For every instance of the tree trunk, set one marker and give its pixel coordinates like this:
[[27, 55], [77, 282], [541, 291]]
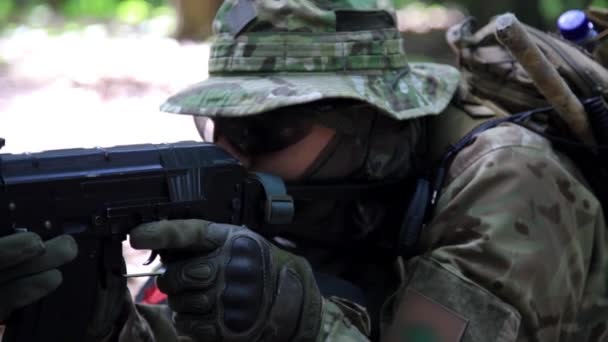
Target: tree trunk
[[195, 18]]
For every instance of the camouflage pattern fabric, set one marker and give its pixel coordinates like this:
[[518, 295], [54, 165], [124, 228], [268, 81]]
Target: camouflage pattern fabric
[[518, 221], [272, 54], [146, 323], [599, 17], [337, 327], [151, 323], [493, 74], [517, 247]]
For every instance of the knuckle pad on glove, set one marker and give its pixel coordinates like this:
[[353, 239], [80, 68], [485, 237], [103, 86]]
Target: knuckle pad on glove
[[196, 274], [244, 275], [192, 302], [195, 327], [17, 248]]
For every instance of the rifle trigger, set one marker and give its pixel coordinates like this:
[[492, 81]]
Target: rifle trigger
[[137, 275], [151, 258]]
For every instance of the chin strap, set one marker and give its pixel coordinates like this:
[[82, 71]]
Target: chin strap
[[279, 208], [280, 199], [347, 191], [278, 205], [426, 192]]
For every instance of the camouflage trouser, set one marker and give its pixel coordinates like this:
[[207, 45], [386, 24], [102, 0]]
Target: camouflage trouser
[[343, 321], [149, 323]]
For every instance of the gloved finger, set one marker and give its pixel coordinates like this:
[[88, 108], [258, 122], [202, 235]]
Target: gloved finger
[[187, 235], [24, 291], [19, 247], [56, 252], [193, 274], [195, 302], [196, 327]]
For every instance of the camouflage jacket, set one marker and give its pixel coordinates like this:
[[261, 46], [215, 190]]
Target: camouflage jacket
[[516, 251]]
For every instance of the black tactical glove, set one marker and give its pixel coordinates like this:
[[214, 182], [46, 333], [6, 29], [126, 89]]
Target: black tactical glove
[[28, 268], [28, 272], [227, 283]]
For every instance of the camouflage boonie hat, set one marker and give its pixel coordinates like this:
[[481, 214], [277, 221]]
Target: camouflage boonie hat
[[275, 53]]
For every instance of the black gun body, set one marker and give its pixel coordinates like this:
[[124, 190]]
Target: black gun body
[[97, 196]]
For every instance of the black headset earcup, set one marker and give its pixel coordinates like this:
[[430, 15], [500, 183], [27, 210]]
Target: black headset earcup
[[414, 218]]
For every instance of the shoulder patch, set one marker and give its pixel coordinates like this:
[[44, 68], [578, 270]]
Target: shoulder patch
[[422, 319]]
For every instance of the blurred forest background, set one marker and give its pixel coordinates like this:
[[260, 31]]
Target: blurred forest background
[[190, 19], [93, 72], [103, 66]]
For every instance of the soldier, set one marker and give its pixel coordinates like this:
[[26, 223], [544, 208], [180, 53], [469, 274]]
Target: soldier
[[321, 93]]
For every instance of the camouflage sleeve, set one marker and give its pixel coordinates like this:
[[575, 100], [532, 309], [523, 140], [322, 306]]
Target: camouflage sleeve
[[515, 252], [148, 323], [342, 321]]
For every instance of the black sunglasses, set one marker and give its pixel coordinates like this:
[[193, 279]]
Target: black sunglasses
[[264, 133], [275, 130]]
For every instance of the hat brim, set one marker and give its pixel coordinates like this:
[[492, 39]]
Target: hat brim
[[423, 89]]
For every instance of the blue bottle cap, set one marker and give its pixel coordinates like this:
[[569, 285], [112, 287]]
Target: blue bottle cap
[[574, 25]]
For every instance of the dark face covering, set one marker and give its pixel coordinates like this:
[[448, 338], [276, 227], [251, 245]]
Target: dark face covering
[[367, 147]]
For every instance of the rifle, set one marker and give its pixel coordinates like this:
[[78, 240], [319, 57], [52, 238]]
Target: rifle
[[98, 195]]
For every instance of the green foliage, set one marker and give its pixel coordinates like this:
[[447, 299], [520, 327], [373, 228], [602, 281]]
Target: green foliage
[[403, 3], [89, 8], [535, 12], [6, 9], [129, 11], [551, 9], [133, 11]]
